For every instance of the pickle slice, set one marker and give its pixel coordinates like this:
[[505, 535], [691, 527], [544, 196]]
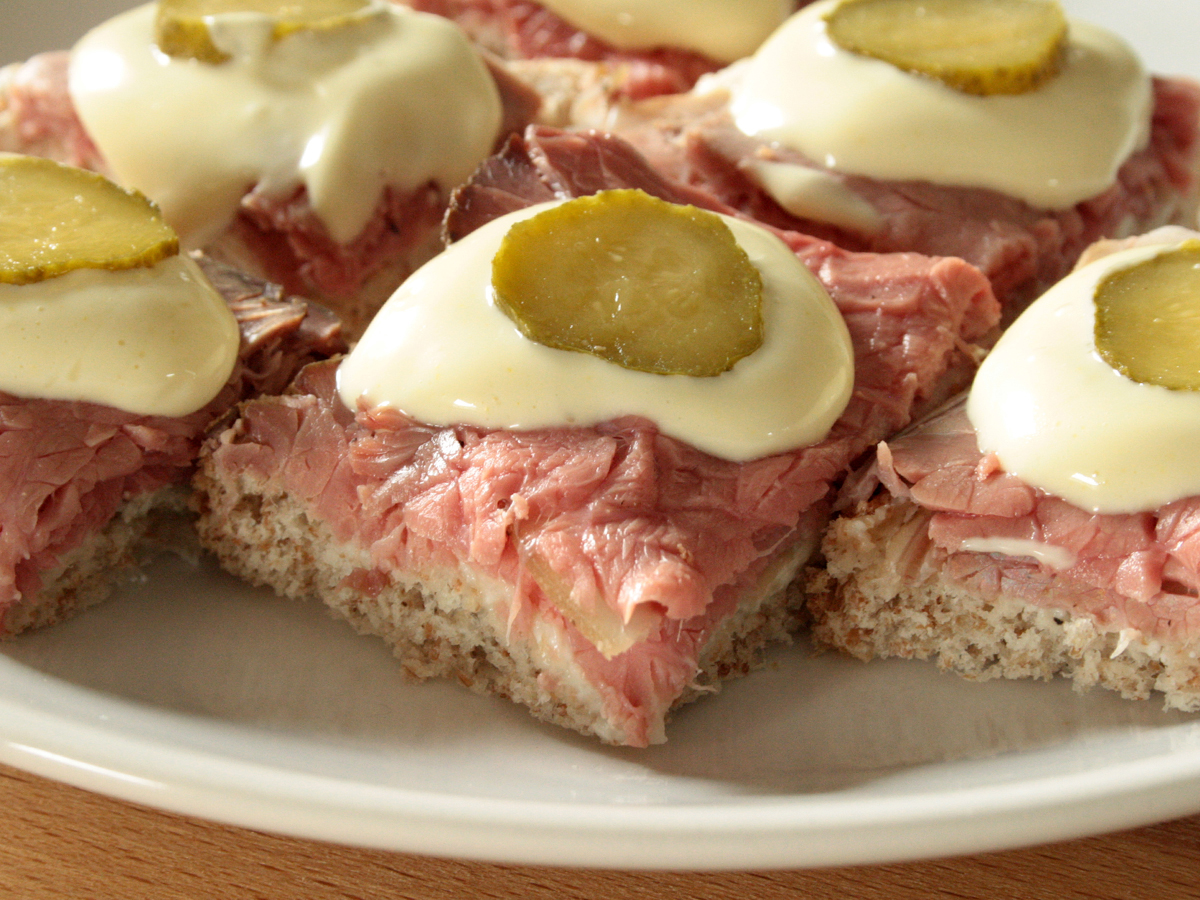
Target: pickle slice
[[182, 30], [975, 46], [648, 285], [57, 218], [1148, 319]]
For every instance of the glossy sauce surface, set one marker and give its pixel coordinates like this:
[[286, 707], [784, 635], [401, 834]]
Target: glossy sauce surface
[[155, 341]]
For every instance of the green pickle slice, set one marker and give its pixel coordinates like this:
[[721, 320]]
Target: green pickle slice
[[1148, 319], [979, 47], [181, 28], [58, 218], [649, 285]]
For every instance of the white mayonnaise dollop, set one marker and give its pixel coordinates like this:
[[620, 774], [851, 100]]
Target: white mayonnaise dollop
[[1052, 147], [395, 97], [722, 30], [153, 340], [1062, 419], [442, 352]]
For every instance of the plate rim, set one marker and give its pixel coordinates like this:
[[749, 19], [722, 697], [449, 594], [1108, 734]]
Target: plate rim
[[744, 833]]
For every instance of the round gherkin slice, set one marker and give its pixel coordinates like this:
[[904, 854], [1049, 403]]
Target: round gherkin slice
[[648, 285], [1148, 319], [57, 218], [976, 46], [182, 30]]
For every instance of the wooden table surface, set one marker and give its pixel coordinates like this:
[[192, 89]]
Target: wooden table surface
[[58, 841]]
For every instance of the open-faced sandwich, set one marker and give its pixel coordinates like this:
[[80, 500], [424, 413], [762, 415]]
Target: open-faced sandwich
[[577, 458], [118, 353], [311, 143], [1047, 521], [998, 131]]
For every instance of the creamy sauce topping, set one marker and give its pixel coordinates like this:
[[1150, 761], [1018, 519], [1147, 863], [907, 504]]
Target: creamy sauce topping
[[394, 98], [1060, 418], [722, 30], [153, 341], [1052, 147], [441, 352]]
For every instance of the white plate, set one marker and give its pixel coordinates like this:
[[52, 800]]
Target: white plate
[[195, 694]]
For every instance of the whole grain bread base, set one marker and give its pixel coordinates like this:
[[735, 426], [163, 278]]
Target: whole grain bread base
[[91, 572], [862, 605], [453, 622]]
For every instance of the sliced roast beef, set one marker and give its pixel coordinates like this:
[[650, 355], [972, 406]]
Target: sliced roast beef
[[37, 116], [547, 163]]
